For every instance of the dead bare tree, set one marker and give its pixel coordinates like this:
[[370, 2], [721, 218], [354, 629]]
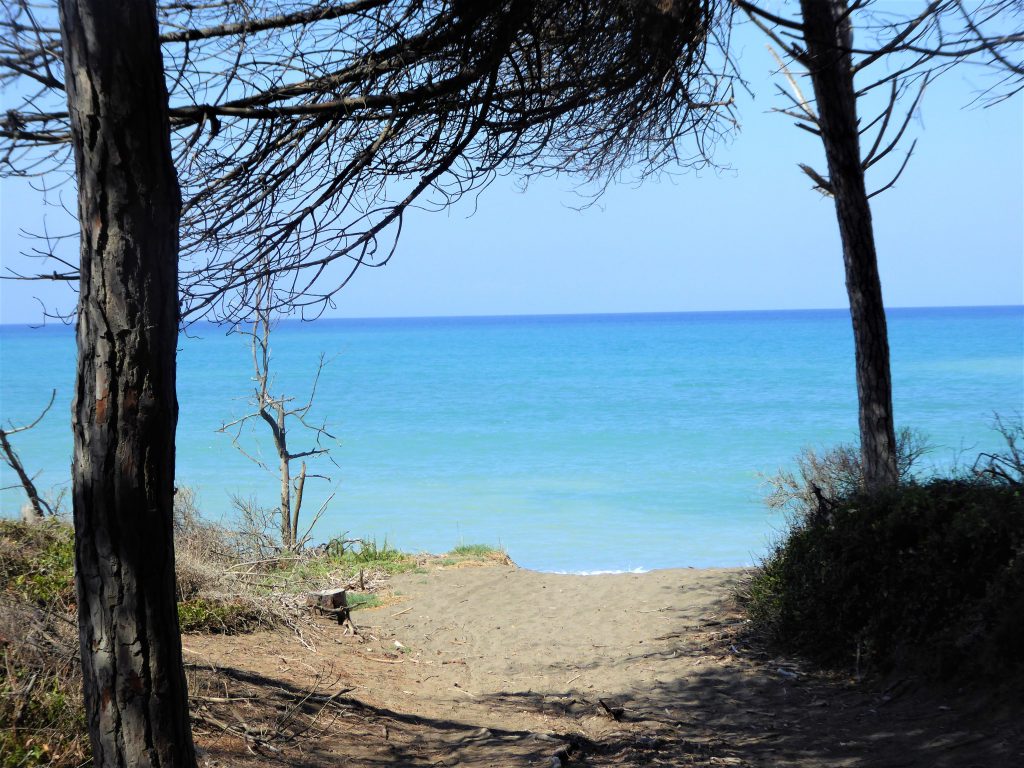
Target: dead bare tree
[[37, 507], [904, 54], [281, 414], [240, 144]]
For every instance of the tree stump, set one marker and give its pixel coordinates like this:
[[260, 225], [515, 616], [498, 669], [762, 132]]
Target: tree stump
[[329, 602]]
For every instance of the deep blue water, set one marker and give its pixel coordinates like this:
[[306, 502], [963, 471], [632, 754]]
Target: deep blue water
[[577, 442]]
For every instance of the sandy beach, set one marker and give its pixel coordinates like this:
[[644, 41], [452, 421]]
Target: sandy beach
[[495, 666]]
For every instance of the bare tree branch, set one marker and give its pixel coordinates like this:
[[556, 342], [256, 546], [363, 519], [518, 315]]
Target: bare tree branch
[[37, 506], [280, 416], [304, 131]]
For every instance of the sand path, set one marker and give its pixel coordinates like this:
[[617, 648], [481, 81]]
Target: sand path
[[501, 666]]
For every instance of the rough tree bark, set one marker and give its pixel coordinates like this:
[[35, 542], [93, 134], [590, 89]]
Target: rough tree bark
[[125, 407], [828, 34]]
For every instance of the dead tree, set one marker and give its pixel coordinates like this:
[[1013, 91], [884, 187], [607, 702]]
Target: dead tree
[[283, 143], [908, 52], [37, 507], [281, 413]]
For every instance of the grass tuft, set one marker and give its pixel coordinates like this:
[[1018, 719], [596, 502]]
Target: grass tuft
[[357, 600], [476, 554], [368, 553], [474, 550]]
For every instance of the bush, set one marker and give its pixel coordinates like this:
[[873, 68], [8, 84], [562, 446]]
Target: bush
[[37, 562], [835, 474], [228, 617], [928, 575]]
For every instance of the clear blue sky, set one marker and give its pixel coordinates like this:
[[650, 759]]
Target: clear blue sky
[[753, 236]]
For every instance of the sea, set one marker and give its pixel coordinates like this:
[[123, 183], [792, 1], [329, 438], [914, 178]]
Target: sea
[[578, 443]]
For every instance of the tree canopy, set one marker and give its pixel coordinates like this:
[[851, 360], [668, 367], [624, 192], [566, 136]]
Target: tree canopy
[[302, 132]]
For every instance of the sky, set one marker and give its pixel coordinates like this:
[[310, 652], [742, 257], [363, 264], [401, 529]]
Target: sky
[[748, 235]]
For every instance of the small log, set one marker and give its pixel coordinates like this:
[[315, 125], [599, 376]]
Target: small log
[[615, 713], [329, 602]]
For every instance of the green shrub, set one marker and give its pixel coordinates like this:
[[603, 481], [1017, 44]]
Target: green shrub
[[37, 562], [229, 617], [928, 575]]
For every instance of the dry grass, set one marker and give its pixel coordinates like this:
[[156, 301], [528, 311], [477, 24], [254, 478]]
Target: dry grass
[[40, 687], [40, 679], [227, 581]]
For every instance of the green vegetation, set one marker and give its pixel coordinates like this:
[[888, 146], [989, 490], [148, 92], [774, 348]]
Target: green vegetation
[[357, 600], [341, 561], [41, 727], [40, 693], [476, 550], [37, 562], [474, 554], [927, 577], [369, 554], [222, 589], [227, 617]]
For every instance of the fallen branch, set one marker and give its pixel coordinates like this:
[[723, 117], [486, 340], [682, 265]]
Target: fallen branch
[[615, 713]]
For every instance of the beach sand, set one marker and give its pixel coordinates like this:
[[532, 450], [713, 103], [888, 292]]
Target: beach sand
[[497, 666]]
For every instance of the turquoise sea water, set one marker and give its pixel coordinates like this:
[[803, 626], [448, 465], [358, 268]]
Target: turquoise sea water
[[579, 443]]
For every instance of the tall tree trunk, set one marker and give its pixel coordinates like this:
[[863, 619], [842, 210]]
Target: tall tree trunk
[[829, 38], [125, 407]]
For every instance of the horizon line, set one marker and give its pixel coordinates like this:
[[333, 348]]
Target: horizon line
[[623, 313]]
